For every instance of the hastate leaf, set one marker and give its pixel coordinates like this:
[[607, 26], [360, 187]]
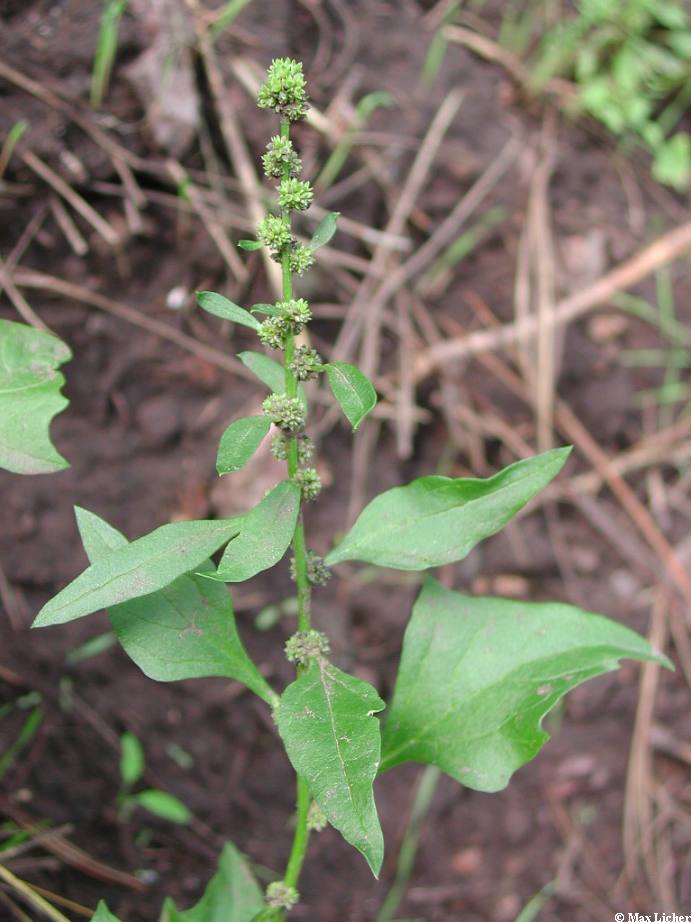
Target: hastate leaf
[[216, 304], [144, 566], [240, 441], [232, 894], [326, 721], [29, 398], [437, 520], [352, 389], [266, 533], [269, 373], [184, 631], [478, 675], [325, 230]]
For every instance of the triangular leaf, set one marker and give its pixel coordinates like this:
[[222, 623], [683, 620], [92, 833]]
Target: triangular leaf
[[240, 441], [29, 398], [326, 721], [353, 390], [137, 569], [232, 894], [269, 373], [437, 520], [325, 230], [184, 631], [219, 306], [478, 675], [103, 914], [267, 531]]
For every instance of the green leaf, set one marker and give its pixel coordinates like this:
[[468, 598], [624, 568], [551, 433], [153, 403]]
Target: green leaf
[[103, 914], [232, 894], [240, 441], [352, 389], [184, 631], [134, 570], [270, 310], [325, 230], [29, 398], [131, 759], [163, 805], [269, 373], [267, 531], [326, 721], [437, 520], [250, 245], [478, 675], [216, 304]]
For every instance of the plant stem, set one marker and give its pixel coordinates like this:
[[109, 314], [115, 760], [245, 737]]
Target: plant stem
[[427, 785], [303, 587]]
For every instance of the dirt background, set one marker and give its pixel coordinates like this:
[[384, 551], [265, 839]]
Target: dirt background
[[145, 415]]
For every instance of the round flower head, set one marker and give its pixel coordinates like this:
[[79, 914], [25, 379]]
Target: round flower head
[[272, 332], [295, 313], [306, 364], [285, 412], [284, 90], [301, 259], [309, 482], [280, 895], [279, 448], [280, 153], [274, 233], [295, 194], [306, 645], [317, 572]]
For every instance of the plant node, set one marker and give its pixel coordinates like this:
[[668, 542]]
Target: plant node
[[309, 482], [305, 646], [317, 572], [306, 364], [275, 234], [272, 332], [279, 448], [280, 154], [280, 895], [316, 818], [285, 412], [301, 258]]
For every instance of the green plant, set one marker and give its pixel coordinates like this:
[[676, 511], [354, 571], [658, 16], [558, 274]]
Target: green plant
[[477, 675], [630, 60], [159, 803], [106, 49]]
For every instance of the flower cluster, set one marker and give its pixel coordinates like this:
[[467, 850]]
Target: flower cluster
[[284, 90], [309, 482], [279, 448], [305, 646], [280, 154], [275, 234], [295, 194], [306, 363], [285, 412], [317, 572], [280, 895], [316, 818], [301, 258]]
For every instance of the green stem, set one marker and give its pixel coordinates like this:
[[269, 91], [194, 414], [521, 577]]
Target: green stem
[[408, 850], [303, 587]]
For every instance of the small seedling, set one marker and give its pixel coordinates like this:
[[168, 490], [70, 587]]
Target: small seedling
[[158, 803], [477, 675], [106, 49]]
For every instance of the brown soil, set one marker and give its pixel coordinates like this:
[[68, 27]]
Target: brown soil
[[141, 432]]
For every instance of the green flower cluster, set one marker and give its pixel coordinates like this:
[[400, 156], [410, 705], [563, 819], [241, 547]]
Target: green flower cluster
[[280, 895], [306, 363], [280, 154], [295, 194], [301, 258], [285, 412], [309, 482], [317, 572], [279, 448], [275, 234], [305, 646], [284, 90], [291, 317]]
